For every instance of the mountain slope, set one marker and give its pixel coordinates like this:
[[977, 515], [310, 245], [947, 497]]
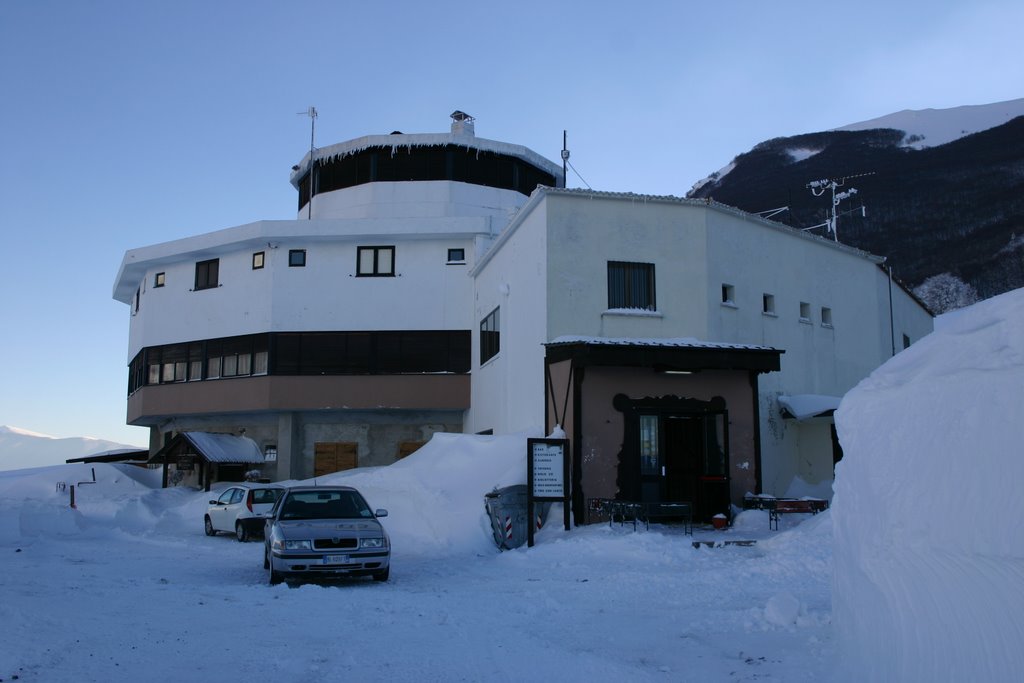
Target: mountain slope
[[956, 207], [20, 448]]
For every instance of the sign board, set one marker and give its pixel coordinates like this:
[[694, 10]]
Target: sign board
[[547, 476], [548, 469]]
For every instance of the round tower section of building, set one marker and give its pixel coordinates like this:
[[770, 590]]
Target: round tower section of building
[[401, 175]]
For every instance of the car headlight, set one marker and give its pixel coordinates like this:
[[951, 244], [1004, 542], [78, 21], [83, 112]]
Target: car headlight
[[372, 543], [297, 545]]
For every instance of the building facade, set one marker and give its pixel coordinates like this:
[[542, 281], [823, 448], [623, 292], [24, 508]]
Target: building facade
[[446, 283], [343, 337], [577, 265]]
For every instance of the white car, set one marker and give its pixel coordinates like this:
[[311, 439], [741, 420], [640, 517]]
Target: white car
[[240, 510]]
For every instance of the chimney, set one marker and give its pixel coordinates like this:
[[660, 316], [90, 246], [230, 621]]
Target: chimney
[[462, 124]]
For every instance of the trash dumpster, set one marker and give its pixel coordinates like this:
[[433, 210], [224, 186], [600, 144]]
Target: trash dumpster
[[507, 510]]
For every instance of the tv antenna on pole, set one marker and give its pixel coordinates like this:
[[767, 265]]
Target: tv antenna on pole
[[311, 113], [565, 159], [820, 187]]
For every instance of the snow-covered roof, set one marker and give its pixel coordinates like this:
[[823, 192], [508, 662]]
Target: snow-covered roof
[[398, 142], [652, 342], [805, 406], [225, 447]]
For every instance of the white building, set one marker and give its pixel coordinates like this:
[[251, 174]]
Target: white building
[[582, 266], [351, 334]]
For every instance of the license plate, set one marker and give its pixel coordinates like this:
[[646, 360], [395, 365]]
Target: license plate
[[335, 559]]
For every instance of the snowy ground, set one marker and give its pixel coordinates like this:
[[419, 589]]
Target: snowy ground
[[128, 588]]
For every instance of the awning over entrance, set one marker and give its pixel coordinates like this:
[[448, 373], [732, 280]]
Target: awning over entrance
[[658, 421], [683, 354], [805, 406], [213, 453]]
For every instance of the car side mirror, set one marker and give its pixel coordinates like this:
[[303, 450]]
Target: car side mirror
[[213, 502], [381, 513]]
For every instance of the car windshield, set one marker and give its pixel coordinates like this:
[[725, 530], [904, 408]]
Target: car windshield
[[325, 505]]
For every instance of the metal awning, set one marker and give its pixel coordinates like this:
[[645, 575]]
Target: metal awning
[[805, 406], [212, 447]]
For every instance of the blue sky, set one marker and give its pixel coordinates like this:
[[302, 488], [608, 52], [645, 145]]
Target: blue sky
[[125, 124]]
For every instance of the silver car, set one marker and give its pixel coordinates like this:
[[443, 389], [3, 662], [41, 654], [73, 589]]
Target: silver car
[[318, 532]]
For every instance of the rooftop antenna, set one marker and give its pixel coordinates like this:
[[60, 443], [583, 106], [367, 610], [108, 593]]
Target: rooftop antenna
[[566, 164], [771, 213], [311, 113], [565, 160], [819, 187]]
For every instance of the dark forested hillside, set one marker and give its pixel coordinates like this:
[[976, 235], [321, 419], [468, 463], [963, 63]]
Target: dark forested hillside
[[956, 208]]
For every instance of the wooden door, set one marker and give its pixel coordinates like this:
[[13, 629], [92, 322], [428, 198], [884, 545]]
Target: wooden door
[[334, 456]]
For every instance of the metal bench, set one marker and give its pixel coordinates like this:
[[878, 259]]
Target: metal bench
[[629, 511], [783, 506]]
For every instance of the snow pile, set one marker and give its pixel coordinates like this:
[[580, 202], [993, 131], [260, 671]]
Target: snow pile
[[601, 602], [929, 549], [435, 497]]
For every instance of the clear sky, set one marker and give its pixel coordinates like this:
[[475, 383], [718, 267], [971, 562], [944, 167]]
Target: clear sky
[[125, 124]]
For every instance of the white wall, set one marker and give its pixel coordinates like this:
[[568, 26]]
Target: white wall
[[695, 249], [588, 232], [425, 293], [508, 390], [420, 199]]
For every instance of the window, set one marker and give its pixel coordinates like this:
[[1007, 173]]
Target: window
[[489, 336], [805, 312], [456, 256], [296, 258], [159, 279], [206, 274], [826, 316], [728, 295], [631, 285], [270, 453], [135, 305], [258, 260], [375, 262], [768, 304]]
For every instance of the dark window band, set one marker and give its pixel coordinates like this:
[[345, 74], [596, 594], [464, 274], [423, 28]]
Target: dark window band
[[303, 353]]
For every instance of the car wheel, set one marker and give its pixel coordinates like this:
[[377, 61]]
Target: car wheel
[[275, 576], [210, 531], [266, 558], [383, 575], [240, 532]]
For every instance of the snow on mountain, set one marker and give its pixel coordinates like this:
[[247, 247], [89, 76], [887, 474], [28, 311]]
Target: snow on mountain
[[934, 127], [922, 127], [21, 448]]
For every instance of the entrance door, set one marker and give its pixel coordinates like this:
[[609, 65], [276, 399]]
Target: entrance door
[[684, 458]]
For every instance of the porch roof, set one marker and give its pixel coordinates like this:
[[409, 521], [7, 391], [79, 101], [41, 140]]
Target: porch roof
[[218, 448], [680, 354]]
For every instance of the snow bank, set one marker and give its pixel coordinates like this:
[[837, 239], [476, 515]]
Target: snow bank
[[435, 497], [929, 548]]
